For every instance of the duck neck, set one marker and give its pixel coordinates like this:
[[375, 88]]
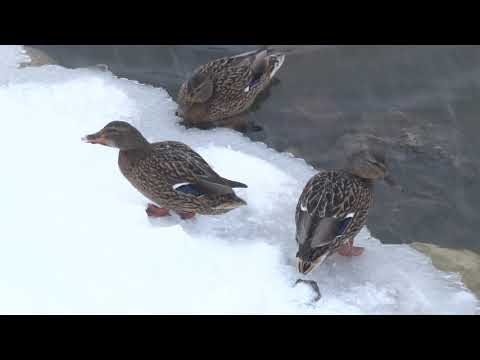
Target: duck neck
[[368, 182], [136, 153], [365, 181]]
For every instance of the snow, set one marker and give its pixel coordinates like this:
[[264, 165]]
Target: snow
[[75, 239]]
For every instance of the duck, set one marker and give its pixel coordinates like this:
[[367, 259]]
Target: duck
[[226, 87], [334, 206], [170, 174]]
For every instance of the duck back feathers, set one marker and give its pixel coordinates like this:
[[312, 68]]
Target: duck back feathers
[[335, 195], [227, 86]]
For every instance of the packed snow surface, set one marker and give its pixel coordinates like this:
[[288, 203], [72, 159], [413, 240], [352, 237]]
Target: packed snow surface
[[74, 236]]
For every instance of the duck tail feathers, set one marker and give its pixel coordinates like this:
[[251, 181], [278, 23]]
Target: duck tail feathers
[[234, 184]]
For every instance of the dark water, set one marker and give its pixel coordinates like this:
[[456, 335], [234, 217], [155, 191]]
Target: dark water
[[421, 102]]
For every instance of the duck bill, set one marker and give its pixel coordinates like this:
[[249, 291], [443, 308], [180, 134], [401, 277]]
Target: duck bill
[[97, 138], [306, 267]]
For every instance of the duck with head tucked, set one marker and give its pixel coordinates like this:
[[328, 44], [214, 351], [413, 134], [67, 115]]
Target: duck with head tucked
[[226, 87], [333, 208], [170, 174]]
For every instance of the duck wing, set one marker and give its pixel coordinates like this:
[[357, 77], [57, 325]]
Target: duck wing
[[327, 208], [186, 171], [244, 71]]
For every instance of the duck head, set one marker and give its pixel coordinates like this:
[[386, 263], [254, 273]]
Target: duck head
[[314, 247], [309, 258], [367, 164], [371, 165], [118, 134]]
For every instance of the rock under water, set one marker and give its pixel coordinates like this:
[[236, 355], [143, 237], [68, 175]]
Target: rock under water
[[464, 262]]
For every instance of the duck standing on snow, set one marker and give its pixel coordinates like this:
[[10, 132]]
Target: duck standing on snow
[[168, 173], [226, 87], [333, 208]]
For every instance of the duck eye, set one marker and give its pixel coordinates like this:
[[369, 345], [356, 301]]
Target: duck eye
[[111, 131]]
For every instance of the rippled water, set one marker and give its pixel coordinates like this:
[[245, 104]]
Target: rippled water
[[421, 102]]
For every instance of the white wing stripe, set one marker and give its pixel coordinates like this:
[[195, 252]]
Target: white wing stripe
[[176, 186]]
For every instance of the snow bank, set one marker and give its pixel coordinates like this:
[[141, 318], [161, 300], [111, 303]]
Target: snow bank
[[74, 237]]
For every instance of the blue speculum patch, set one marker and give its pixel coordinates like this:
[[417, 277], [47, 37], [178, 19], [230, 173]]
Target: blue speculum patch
[[189, 189], [343, 225]]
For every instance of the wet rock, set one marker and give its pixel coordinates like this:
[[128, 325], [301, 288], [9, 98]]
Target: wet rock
[[37, 57], [464, 262]]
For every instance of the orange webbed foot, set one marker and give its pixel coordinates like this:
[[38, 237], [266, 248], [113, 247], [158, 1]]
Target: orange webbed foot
[[350, 250], [156, 212]]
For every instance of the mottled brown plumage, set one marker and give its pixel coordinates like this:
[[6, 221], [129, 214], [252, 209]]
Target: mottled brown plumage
[[226, 87], [333, 208], [169, 173]]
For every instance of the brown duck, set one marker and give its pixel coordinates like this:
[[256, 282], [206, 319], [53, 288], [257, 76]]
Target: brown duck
[[333, 208], [225, 87], [169, 173]]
